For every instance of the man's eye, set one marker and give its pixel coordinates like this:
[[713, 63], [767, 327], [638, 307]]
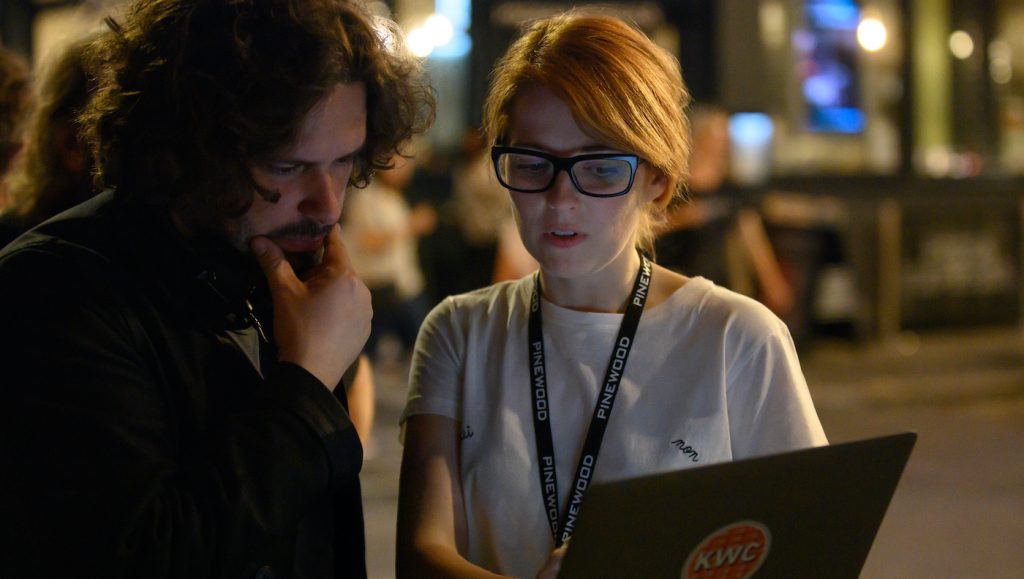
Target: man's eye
[[284, 168]]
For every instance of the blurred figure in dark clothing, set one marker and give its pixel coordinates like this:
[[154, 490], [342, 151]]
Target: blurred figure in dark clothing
[[430, 190], [715, 235], [54, 173], [15, 102]]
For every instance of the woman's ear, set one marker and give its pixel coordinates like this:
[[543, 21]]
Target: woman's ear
[[657, 187]]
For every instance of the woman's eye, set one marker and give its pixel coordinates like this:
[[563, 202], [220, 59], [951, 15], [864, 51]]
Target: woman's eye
[[604, 170], [538, 167], [608, 170]]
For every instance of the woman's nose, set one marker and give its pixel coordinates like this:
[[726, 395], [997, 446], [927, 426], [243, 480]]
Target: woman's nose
[[562, 192]]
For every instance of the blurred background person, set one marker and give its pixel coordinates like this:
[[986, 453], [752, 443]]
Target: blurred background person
[[54, 173], [484, 217], [381, 232], [361, 393], [429, 191], [712, 233], [15, 102], [481, 208], [475, 242], [481, 194]]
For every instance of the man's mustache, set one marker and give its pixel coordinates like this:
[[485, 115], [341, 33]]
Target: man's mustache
[[304, 228]]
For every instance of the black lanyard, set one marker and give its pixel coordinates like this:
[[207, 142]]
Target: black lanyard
[[602, 409]]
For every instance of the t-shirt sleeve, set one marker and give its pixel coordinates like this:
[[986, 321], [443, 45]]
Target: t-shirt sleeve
[[770, 407], [437, 364]]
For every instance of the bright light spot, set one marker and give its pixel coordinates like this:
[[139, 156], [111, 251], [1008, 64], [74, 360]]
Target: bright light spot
[[772, 18], [439, 28], [459, 12], [1000, 62], [750, 129], [458, 47], [872, 35], [420, 42], [436, 32], [999, 50], [961, 45]]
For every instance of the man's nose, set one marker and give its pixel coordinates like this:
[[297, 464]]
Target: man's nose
[[324, 194]]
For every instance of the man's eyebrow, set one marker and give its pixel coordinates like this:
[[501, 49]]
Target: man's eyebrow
[[285, 157], [355, 152]]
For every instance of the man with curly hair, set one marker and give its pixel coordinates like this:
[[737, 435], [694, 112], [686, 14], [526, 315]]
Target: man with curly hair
[[172, 348]]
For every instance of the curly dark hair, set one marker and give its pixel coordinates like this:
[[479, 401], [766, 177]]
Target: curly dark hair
[[190, 91]]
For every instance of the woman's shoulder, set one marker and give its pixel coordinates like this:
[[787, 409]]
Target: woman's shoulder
[[710, 307], [743, 317], [497, 299]]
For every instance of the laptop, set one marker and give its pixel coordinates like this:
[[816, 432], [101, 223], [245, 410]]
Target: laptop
[[810, 513]]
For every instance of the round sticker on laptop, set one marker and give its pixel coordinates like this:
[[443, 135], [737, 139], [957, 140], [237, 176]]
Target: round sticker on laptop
[[735, 551]]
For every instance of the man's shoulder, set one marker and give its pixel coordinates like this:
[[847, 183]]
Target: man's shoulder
[[51, 278], [66, 239], [68, 254], [11, 226]]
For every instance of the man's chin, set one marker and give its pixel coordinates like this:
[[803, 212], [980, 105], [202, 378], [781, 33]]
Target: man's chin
[[302, 262]]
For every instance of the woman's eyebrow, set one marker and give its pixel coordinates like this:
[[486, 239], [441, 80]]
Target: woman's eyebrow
[[594, 148]]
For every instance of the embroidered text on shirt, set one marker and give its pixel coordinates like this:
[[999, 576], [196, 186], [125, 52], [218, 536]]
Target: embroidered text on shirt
[[686, 449]]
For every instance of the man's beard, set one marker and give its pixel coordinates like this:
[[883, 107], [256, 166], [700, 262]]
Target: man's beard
[[303, 262], [241, 232]]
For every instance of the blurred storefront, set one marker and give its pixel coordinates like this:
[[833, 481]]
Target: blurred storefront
[[896, 143]]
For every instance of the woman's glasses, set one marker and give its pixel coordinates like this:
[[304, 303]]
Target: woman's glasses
[[596, 174]]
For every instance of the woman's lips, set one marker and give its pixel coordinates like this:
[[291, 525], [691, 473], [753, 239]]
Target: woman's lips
[[563, 238]]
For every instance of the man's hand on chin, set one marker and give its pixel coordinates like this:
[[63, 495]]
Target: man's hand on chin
[[321, 319]]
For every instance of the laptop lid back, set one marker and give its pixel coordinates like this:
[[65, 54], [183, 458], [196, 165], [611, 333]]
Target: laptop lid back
[[808, 513]]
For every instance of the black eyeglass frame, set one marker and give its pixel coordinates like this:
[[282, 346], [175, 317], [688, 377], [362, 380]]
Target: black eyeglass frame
[[565, 164]]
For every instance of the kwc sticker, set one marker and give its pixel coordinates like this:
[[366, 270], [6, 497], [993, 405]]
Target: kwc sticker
[[735, 551]]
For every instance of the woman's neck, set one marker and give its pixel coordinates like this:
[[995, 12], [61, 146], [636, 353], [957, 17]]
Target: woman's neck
[[605, 291]]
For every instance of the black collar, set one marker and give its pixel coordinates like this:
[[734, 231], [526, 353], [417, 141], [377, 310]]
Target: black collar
[[202, 276]]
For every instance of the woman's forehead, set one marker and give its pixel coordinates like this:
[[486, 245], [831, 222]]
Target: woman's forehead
[[541, 119]]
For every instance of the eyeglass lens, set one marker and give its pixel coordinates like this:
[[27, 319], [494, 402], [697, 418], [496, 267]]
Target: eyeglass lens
[[593, 176]]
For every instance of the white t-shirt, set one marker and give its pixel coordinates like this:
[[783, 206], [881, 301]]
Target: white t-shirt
[[712, 376]]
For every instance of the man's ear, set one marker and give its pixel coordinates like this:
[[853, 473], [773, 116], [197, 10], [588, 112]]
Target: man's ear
[[72, 152]]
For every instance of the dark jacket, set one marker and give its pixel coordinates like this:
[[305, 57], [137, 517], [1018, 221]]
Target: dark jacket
[[11, 226], [138, 437]]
